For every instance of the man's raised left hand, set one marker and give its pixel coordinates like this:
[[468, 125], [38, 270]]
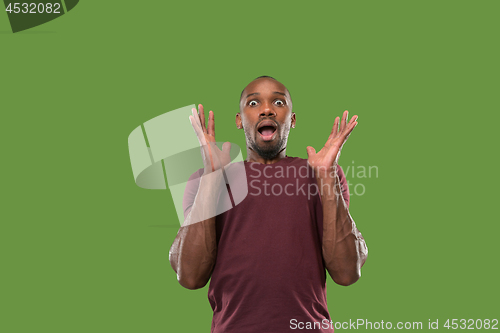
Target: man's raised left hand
[[324, 162]]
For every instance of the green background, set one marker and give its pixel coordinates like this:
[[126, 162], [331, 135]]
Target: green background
[[85, 250]]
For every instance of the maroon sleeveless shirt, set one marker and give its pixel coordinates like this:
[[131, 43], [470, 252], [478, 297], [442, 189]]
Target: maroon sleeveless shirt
[[269, 273]]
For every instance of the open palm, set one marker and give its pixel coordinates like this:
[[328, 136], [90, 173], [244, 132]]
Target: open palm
[[213, 157], [324, 162]]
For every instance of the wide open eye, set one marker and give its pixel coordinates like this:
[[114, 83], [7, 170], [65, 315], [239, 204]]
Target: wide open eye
[[253, 103], [279, 102]]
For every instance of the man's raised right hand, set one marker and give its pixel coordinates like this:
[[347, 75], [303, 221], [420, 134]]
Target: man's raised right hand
[[213, 157]]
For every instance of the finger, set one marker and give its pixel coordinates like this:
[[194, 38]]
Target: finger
[[348, 134], [344, 120], [196, 117], [226, 153], [349, 129], [341, 139], [192, 120], [226, 147], [202, 118], [197, 130], [353, 119], [335, 128], [310, 151], [211, 124]]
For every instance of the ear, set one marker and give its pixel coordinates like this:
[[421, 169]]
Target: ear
[[238, 122], [293, 120]]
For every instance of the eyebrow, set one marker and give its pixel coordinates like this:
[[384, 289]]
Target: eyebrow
[[276, 92], [252, 94]]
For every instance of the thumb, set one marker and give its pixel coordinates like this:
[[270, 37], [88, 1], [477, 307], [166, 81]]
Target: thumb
[[310, 151], [226, 147]]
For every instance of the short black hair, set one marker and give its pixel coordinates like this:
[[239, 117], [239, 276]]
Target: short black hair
[[268, 77], [260, 77]]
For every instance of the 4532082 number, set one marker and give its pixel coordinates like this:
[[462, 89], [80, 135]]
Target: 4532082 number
[[34, 8]]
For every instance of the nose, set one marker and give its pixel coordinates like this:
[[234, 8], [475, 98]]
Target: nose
[[267, 110]]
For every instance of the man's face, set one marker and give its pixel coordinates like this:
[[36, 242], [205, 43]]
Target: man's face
[[266, 116]]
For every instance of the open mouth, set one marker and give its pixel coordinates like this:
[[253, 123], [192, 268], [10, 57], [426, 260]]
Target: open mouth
[[267, 130]]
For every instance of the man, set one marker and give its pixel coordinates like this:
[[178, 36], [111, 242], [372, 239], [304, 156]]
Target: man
[[267, 256]]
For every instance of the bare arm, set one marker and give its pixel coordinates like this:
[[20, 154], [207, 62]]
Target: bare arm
[[194, 250], [344, 249]]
